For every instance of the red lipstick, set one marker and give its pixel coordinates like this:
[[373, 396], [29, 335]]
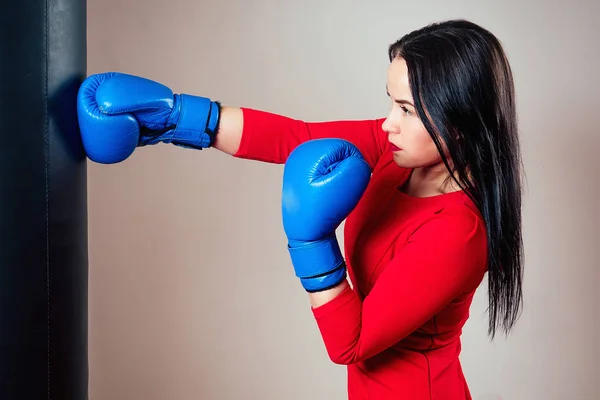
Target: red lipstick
[[393, 147]]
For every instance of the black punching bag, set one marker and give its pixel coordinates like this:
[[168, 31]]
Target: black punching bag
[[43, 202]]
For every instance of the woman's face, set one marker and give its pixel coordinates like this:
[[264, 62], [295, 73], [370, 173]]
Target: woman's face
[[410, 142]]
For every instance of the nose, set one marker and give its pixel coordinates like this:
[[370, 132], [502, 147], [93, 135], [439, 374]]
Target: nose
[[386, 125], [389, 127]]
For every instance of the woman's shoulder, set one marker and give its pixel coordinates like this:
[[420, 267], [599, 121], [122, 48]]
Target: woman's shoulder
[[455, 230], [454, 217]]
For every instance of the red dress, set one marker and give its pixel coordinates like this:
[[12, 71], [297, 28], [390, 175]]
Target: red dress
[[414, 265]]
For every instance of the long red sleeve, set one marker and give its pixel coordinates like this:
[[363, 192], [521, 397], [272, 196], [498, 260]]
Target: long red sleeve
[[442, 260], [271, 137]]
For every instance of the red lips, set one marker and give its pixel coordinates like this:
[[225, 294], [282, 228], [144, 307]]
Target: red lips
[[393, 147]]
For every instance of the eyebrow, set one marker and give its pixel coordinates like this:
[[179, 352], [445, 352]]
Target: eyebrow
[[399, 101]]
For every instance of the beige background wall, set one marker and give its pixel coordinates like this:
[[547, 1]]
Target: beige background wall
[[192, 295]]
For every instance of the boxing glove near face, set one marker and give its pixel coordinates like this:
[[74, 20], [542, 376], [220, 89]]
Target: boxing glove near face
[[323, 181], [119, 112]]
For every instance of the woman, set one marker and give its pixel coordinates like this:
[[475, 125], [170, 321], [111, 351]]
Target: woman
[[442, 209]]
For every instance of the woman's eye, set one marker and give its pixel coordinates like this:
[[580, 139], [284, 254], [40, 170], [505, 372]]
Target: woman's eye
[[405, 110]]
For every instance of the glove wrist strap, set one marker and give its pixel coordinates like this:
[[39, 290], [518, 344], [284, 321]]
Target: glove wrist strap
[[198, 121], [319, 264]]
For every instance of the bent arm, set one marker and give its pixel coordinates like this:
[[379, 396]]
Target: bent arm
[[443, 260], [264, 136]]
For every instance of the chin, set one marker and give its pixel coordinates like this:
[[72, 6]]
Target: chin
[[402, 161], [403, 164]]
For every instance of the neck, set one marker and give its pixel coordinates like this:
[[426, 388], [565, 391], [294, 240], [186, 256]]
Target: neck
[[430, 181]]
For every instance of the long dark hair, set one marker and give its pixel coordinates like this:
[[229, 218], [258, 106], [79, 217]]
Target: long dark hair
[[463, 91]]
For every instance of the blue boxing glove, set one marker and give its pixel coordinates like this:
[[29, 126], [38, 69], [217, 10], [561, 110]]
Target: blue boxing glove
[[323, 181], [119, 112]]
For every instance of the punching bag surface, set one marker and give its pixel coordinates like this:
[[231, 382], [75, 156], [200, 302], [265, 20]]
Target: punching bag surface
[[43, 203]]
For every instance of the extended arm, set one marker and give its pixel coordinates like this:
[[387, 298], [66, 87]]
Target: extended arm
[[119, 112], [229, 131]]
